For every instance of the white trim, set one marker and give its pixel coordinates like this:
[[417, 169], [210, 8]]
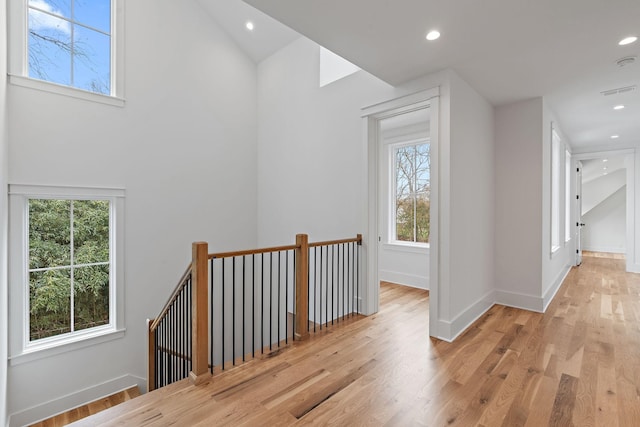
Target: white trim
[[519, 300], [450, 330], [45, 86], [410, 248], [400, 278], [21, 350], [371, 116], [552, 290], [73, 400], [607, 249]]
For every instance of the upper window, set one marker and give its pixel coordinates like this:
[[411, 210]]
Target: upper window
[[66, 275], [69, 43], [567, 196], [556, 168], [70, 47], [411, 192]]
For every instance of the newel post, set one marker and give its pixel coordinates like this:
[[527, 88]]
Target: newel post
[[151, 364], [200, 289], [302, 287]]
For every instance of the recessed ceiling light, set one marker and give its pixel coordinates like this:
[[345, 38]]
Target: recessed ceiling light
[[604, 168], [433, 35], [605, 160], [615, 136], [249, 25], [627, 40], [605, 173], [619, 107]]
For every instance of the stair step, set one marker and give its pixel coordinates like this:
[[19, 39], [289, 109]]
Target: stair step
[[90, 408]]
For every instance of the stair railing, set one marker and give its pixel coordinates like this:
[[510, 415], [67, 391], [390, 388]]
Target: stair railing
[[229, 307]]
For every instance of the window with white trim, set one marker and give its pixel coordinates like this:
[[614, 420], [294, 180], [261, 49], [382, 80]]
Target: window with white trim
[[72, 47], [410, 192], [556, 164], [65, 284], [567, 196]]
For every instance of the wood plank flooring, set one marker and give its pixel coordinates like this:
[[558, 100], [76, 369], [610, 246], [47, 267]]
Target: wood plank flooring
[[89, 409], [576, 365]]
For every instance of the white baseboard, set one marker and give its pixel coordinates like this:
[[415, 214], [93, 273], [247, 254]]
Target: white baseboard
[[555, 286], [405, 279], [518, 300], [82, 397], [449, 331], [607, 249]]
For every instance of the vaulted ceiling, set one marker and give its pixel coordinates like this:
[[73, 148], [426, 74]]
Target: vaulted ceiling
[[508, 50]]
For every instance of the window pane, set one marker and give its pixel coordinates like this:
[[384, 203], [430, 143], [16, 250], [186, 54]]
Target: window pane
[[49, 48], [90, 231], [49, 233], [413, 190], [56, 7], [423, 219], [93, 13], [404, 219], [49, 303], [91, 296], [91, 60]]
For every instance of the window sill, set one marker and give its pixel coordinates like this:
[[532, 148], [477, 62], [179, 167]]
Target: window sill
[[555, 250], [407, 247], [45, 86], [41, 351]]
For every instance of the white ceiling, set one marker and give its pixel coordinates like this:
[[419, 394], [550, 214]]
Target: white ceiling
[[508, 50], [596, 168]]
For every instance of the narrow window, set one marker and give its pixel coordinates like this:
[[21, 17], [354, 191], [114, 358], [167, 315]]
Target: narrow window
[[69, 42], [567, 196], [555, 190], [412, 191], [69, 266]]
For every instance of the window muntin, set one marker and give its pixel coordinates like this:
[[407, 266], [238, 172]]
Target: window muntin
[[69, 266], [411, 192], [69, 43]]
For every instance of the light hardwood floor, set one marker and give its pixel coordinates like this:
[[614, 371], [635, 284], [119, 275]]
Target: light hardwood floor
[[578, 364]]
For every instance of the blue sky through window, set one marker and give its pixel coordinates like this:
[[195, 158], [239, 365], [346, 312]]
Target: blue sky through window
[[69, 43]]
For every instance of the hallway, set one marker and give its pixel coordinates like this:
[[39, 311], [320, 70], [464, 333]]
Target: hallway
[[578, 364]]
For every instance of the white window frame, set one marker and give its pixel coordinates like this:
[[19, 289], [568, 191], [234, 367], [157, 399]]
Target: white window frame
[[392, 147], [567, 195], [555, 193], [21, 349], [18, 57]]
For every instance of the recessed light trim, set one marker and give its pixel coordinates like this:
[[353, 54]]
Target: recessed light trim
[[627, 40], [615, 136], [249, 25], [619, 107], [605, 160], [433, 35]]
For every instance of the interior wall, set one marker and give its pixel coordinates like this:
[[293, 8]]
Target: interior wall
[[183, 147], [310, 147], [554, 266], [4, 177], [606, 224], [472, 199], [518, 219]]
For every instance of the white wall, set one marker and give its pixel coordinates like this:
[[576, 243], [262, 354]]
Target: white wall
[[404, 265], [310, 147], [4, 176], [597, 190], [518, 220], [606, 224], [472, 199], [183, 147]]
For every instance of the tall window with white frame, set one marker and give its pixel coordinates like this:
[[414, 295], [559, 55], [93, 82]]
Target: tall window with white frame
[[69, 266], [556, 164], [567, 196], [69, 42], [411, 192]]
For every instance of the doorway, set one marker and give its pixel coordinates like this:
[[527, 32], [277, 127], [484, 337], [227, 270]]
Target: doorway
[[604, 202]]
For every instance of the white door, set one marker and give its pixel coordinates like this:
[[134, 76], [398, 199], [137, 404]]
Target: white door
[[579, 223]]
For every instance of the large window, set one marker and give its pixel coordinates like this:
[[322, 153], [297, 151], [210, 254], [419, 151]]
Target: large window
[[69, 43], [66, 273], [69, 266], [70, 47], [411, 192]]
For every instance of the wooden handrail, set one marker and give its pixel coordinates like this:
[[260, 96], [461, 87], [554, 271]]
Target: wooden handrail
[[181, 284], [337, 242], [253, 251]]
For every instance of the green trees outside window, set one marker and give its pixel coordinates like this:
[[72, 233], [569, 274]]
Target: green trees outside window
[[412, 193], [69, 261]]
